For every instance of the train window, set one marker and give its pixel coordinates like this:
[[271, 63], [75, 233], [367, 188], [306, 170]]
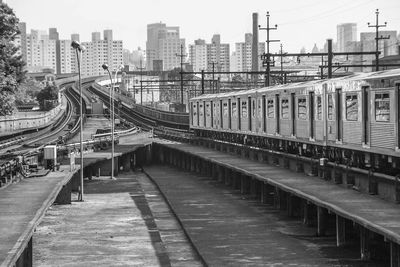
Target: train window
[[319, 108], [285, 109], [351, 107], [234, 110], [302, 108], [244, 109], [259, 108], [270, 108], [253, 107], [382, 107], [330, 107], [225, 109]]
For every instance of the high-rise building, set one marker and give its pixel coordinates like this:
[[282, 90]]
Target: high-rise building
[[346, 32], [96, 36], [41, 52], [163, 43], [198, 55], [244, 54], [66, 56], [101, 52], [218, 54], [53, 35], [108, 35]]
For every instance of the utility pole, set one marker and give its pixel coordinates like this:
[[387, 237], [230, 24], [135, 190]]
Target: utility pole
[[181, 55], [141, 82], [283, 76], [377, 38], [267, 57], [213, 78]]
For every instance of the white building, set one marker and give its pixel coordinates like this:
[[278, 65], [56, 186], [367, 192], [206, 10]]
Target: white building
[[40, 52], [243, 54], [163, 44], [346, 33], [198, 55], [66, 56], [98, 53], [219, 54]]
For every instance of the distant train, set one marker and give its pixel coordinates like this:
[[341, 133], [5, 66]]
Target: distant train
[[352, 120]]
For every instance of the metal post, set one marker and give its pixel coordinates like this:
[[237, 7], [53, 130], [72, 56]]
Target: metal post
[[79, 57], [112, 122], [330, 57], [202, 82]]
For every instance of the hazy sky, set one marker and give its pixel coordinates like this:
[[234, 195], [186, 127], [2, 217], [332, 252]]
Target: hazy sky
[[300, 23]]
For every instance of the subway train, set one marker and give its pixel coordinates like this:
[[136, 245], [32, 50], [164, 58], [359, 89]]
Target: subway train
[[352, 120]]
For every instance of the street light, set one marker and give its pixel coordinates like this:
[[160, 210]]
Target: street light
[[105, 67], [79, 49]]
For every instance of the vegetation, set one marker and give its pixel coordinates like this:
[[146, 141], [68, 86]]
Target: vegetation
[[48, 97], [11, 64]]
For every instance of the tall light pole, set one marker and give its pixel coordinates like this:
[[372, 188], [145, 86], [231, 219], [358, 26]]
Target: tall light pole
[[79, 49], [105, 67]]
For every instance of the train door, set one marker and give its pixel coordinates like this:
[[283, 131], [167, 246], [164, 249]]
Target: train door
[[221, 115], [198, 115], [398, 114], [365, 114], [204, 114], [264, 113], [191, 112], [249, 112], [212, 107], [239, 114], [339, 119], [229, 115], [277, 112], [293, 110], [312, 114]]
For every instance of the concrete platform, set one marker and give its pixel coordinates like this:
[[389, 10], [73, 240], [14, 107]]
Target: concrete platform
[[229, 230], [22, 205], [123, 222], [369, 211]]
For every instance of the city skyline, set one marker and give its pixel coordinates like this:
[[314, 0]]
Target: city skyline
[[298, 25]]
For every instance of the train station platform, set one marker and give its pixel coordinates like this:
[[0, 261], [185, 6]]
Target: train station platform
[[373, 214], [22, 205]]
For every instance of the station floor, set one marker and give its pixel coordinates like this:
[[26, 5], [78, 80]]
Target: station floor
[[122, 222]]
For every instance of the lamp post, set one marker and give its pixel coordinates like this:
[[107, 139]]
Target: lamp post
[[105, 67], [79, 49]]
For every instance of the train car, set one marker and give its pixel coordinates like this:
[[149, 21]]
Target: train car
[[355, 117]]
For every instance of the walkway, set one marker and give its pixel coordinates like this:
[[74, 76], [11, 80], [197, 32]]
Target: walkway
[[123, 222]]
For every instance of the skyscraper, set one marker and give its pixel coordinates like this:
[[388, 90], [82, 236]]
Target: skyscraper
[[244, 54], [346, 32], [53, 35], [198, 55], [22, 39], [163, 43], [219, 54]]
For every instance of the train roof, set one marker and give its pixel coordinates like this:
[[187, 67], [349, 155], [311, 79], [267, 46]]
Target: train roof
[[354, 77]]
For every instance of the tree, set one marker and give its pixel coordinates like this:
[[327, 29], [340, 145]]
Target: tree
[[47, 97], [11, 64]]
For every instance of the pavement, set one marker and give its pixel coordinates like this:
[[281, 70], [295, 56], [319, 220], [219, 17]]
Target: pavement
[[22, 205], [122, 222], [229, 230]]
